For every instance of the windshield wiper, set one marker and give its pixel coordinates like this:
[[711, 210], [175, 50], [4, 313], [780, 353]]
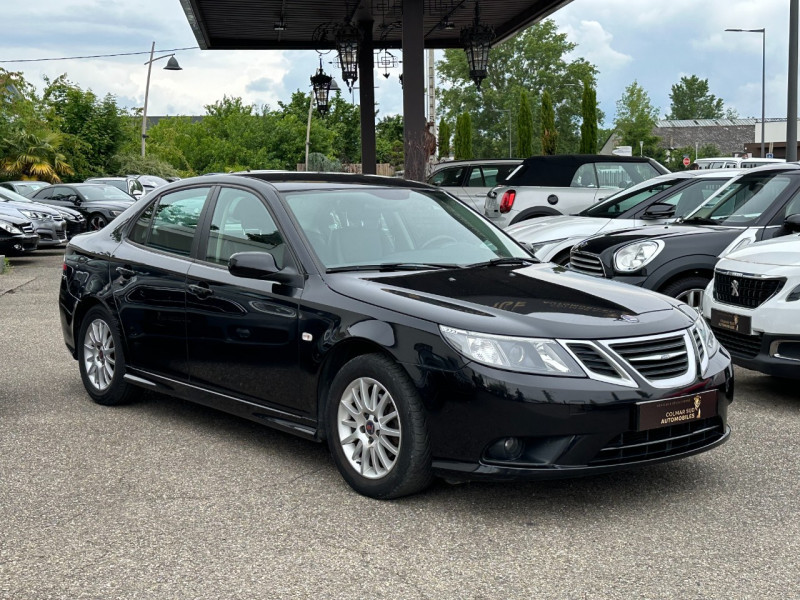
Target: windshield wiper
[[386, 267], [505, 260]]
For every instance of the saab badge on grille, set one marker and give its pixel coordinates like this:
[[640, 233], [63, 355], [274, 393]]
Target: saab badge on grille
[[735, 288]]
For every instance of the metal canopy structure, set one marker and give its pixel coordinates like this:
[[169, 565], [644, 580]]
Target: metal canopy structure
[[412, 25]]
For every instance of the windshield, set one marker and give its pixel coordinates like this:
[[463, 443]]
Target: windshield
[[9, 196], [614, 205], [385, 226], [743, 201], [104, 192]]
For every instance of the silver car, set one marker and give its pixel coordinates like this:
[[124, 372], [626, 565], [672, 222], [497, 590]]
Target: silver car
[[48, 222], [471, 180]]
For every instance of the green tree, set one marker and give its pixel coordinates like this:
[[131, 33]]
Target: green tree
[[444, 139], [538, 58], [636, 117], [549, 131], [690, 99], [525, 126], [389, 141], [92, 130], [589, 123], [28, 156], [462, 143], [20, 107]]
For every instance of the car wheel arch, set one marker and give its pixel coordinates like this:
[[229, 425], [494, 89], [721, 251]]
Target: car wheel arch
[[335, 359], [83, 307], [675, 277], [532, 213]]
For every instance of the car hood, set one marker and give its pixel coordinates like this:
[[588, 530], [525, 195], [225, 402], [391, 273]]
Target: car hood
[[782, 251], [545, 229], [109, 204], [537, 300], [37, 206], [7, 210], [666, 233]]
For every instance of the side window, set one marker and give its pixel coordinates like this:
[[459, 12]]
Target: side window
[[141, 228], [475, 178], [174, 221], [447, 177], [584, 177], [241, 223], [793, 206], [55, 192]]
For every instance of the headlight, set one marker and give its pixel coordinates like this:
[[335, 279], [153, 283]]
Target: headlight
[[525, 355], [635, 256], [115, 213], [9, 228], [32, 214], [707, 336]]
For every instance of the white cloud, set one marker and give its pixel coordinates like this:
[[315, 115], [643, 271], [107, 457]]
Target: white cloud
[[594, 44]]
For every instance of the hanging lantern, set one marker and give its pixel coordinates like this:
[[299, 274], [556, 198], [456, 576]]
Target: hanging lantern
[[477, 40], [347, 46], [321, 83]]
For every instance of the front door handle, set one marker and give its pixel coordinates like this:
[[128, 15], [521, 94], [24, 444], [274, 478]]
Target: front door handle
[[201, 291]]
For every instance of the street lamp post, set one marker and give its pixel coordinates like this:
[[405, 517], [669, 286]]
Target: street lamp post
[[172, 65], [763, 33]]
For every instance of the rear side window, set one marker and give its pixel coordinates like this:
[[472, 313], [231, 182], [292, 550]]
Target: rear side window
[[585, 177], [447, 177], [172, 222]]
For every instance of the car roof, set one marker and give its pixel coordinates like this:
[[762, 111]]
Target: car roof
[[334, 179], [580, 159]]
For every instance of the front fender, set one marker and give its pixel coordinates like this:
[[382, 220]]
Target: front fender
[[683, 265]]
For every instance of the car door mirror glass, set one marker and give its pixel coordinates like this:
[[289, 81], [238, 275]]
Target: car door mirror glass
[[792, 222], [260, 265], [659, 210]]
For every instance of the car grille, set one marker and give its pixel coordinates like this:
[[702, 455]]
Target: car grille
[[738, 344], [663, 358], [633, 446], [701, 351], [587, 264], [27, 228], [593, 360], [749, 292]]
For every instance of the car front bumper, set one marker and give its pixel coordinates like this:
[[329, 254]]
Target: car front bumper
[[566, 427]]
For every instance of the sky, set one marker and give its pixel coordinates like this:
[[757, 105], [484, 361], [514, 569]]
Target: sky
[[653, 42]]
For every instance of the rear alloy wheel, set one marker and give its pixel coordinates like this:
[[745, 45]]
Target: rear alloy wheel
[[97, 221], [376, 429], [101, 359], [689, 290]]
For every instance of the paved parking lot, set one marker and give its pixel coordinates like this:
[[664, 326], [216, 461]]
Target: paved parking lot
[[164, 499]]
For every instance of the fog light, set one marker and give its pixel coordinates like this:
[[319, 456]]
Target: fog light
[[506, 449]]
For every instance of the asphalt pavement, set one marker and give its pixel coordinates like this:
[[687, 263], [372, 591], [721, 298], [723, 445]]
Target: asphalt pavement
[[165, 499]]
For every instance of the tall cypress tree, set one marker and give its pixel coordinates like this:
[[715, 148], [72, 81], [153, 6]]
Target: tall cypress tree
[[525, 126], [549, 131], [444, 139], [589, 124], [458, 139], [468, 152]]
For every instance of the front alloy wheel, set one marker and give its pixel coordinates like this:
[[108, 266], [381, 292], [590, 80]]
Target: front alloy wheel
[[376, 429], [369, 428]]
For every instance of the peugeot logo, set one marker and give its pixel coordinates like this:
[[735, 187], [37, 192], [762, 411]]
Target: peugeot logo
[[735, 288]]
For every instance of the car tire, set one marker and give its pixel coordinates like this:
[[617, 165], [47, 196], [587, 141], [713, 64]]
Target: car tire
[[97, 222], [376, 429], [688, 290], [101, 359]]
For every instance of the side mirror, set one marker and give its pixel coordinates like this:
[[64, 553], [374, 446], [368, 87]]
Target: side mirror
[[261, 265], [75, 199], [792, 222], [658, 210]]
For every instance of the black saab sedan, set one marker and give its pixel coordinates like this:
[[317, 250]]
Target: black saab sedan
[[99, 204], [678, 260], [392, 321]]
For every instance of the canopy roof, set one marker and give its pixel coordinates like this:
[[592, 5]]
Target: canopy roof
[[251, 24]]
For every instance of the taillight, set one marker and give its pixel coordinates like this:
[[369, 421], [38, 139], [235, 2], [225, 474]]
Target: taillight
[[507, 202]]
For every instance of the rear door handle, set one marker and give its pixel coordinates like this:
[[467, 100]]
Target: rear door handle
[[201, 291]]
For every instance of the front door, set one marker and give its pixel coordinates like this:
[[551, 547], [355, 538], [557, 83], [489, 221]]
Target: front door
[[242, 333]]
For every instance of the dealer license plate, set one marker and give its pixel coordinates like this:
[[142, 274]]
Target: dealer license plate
[[730, 322], [675, 411]]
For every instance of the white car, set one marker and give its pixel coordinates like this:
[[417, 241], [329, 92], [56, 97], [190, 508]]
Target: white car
[[753, 304], [656, 201], [564, 185], [471, 180]]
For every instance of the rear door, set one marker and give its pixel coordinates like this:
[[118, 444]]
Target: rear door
[[148, 276]]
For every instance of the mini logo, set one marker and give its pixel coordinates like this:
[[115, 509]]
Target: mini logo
[[629, 318], [735, 288]]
